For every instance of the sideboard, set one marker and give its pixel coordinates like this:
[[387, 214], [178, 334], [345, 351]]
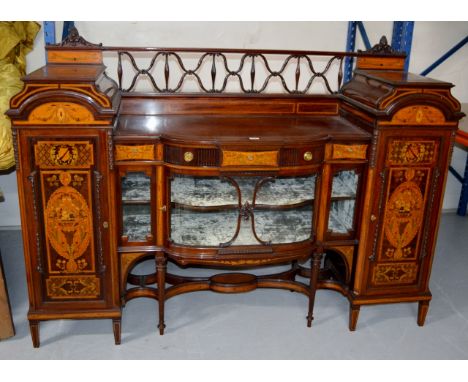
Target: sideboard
[[227, 159]]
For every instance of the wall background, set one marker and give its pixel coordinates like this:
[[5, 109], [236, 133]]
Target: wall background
[[430, 41]]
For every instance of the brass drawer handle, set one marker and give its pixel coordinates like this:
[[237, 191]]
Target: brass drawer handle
[[188, 156], [308, 156]]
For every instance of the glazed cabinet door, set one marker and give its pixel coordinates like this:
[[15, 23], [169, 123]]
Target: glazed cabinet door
[[344, 202], [407, 199], [220, 211], [137, 205], [66, 205]]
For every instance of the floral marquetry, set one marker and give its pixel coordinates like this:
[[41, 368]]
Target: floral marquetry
[[413, 115], [404, 213], [134, 152], [398, 273], [67, 287], [68, 221], [60, 154], [349, 151], [412, 152], [61, 113]]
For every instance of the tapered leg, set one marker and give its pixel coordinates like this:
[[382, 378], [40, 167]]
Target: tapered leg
[[34, 329], [161, 272], [423, 307], [117, 327], [353, 316], [314, 274]]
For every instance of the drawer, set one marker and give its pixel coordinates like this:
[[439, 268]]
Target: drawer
[[134, 152], [192, 156], [353, 151], [249, 158], [302, 156]]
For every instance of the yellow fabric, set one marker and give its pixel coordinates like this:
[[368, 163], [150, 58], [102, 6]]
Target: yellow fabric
[[16, 40]]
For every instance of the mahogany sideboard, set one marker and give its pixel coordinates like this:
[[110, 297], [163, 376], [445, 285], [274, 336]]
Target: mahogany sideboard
[[251, 169]]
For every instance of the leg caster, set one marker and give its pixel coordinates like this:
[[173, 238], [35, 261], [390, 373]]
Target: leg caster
[[117, 327], [34, 329], [423, 307], [353, 316]]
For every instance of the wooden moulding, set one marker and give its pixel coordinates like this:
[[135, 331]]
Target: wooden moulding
[[92, 56], [233, 282]]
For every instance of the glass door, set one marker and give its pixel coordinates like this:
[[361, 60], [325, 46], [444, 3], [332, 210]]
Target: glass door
[[136, 211], [343, 203], [241, 210]]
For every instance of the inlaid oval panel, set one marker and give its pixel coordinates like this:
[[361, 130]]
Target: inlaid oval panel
[[404, 215], [68, 222]]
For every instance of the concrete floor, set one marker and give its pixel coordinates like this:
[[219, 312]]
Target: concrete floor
[[264, 324]]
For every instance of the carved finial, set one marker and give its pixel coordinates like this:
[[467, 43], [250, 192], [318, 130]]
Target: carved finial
[[75, 40], [381, 48]]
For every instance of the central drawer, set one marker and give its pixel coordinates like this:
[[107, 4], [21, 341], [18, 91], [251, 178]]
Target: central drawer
[[249, 158], [243, 157]]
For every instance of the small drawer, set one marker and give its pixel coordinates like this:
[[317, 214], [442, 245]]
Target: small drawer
[[134, 152], [302, 156], [192, 156], [339, 151], [249, 158]]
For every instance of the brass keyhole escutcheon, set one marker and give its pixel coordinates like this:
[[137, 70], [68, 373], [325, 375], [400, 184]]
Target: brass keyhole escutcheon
[[188, 156], [308, 156], [105, 225], [250, 157], [373, 218]]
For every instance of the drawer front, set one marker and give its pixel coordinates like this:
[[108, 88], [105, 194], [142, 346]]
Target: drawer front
[[192, 156], [303, 156], [249, 158], [352, 152], [134, 152]]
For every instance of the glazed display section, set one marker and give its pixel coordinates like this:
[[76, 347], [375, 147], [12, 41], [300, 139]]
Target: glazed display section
[[343, 189]]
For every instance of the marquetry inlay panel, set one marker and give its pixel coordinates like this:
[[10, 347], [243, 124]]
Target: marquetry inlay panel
[[72, 287], [404, 212], [63, 154], [134, 152], [61, 113], [68, 221], [394, 273], [250, 158], [415, 115], [349, 151], [412, 152]]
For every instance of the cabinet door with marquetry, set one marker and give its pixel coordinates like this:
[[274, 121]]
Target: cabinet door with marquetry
[[67, 204], [403, 223]]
